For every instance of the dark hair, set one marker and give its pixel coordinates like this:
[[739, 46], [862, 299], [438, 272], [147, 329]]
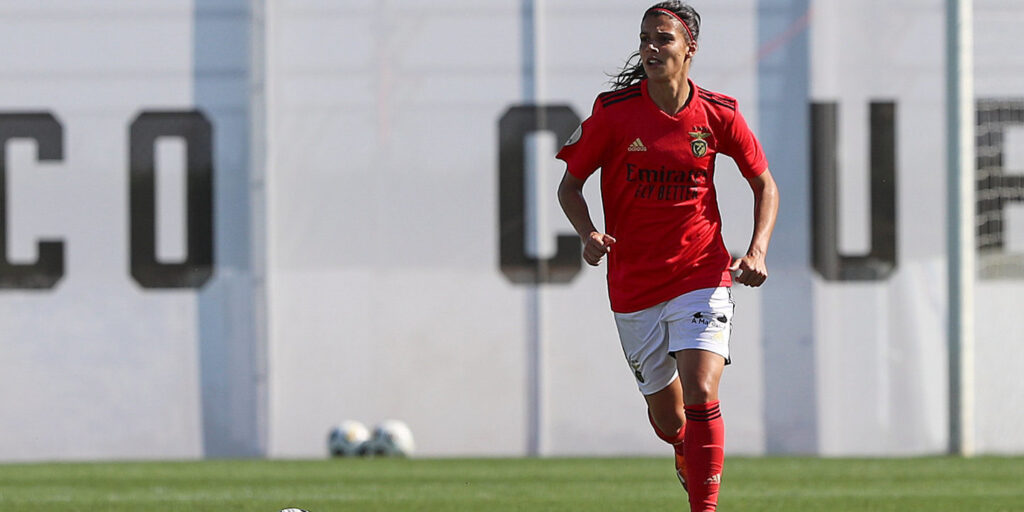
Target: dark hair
[[633, 70]]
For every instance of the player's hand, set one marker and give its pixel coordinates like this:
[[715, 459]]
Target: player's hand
[[752, 269], [595, 246]]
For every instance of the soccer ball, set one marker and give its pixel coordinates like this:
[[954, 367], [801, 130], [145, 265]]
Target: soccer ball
[[347, 439], [390, 439]]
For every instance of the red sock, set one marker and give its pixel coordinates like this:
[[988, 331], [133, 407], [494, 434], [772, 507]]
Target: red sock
[[705, 442], [675, 440]]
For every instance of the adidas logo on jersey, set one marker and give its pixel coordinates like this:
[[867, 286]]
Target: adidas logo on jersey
[[637, 146]]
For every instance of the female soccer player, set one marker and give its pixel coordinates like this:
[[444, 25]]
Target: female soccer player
[[656, 137]]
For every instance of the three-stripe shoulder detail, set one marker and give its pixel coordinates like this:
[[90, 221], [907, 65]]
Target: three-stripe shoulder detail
[[717, 99], [613, 97]]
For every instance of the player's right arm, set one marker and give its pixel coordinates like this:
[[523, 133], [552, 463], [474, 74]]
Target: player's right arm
[[583, 154], [595, 243]]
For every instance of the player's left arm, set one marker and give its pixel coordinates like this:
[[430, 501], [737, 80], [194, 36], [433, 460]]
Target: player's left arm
[[753, 270]]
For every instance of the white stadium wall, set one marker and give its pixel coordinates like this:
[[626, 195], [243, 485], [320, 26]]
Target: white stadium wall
[[273, 216], [880, 339], [119, 336]]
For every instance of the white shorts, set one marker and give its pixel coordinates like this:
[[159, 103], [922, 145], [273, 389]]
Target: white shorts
[[701, 319]]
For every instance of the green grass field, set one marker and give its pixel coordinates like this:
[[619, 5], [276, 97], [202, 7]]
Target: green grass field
[[494, 485]]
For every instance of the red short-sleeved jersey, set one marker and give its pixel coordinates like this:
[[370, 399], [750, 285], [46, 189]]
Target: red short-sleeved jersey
[[657, 173]]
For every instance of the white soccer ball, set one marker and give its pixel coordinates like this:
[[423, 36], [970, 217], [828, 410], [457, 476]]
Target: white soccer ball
[[347, 439], [390, 438]]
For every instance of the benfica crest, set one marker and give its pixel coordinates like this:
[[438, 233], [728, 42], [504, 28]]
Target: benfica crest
[[698, 145]]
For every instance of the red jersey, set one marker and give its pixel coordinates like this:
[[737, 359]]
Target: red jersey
[[657, 186]]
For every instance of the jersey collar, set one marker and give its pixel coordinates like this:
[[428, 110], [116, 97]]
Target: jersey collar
[[689, 100]]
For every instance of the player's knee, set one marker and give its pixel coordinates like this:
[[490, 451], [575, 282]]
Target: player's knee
[[668, 420], [700, 391]]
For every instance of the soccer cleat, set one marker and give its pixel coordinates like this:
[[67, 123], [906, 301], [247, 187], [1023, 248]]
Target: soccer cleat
[[681, 470]]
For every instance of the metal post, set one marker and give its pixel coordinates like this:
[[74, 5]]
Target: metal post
[[961, 186], [532, 83]]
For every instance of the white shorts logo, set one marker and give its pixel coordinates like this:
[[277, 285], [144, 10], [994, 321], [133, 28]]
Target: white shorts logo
[[635, 365], [710, 319]]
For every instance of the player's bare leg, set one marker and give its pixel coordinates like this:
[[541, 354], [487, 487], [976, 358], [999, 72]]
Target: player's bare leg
[[700, 372], [668, 418]]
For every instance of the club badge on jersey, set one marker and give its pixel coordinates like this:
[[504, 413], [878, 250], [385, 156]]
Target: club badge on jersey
[[698, 145]]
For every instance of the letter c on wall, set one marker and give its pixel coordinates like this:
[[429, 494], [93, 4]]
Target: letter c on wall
[[513, 127]]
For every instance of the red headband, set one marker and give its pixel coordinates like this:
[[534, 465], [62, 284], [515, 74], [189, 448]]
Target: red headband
[[676, 16]]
